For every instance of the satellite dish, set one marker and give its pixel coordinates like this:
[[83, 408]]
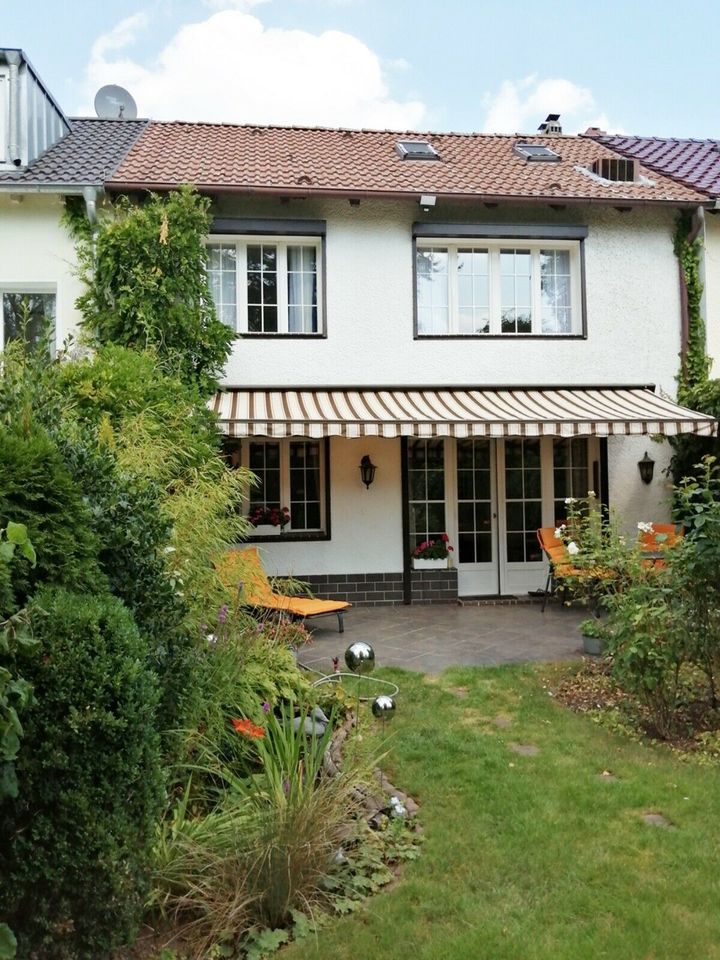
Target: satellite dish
[[115, 103]]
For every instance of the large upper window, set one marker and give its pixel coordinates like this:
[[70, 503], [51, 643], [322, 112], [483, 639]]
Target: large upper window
[[267, 285], [498, 287], [27, 315]]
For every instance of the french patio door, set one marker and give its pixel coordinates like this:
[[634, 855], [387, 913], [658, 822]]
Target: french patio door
[[491, 496], [503, 491]]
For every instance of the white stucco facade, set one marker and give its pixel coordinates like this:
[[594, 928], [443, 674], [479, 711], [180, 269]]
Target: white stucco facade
[[633, 319], [711, 278], [37, 254]]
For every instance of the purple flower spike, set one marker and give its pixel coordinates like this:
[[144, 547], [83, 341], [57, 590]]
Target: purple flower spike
[[266, 707], [222, 613], [286, 787]]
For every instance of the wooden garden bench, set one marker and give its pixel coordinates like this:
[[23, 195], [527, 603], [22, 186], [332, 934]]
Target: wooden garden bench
[[244, 568]]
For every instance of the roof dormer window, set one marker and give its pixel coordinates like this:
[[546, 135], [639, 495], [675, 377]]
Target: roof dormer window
[[416, 150]]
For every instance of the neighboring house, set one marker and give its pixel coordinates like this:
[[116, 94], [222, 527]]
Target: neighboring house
[[695, 163], [493, 320], [44, 158]]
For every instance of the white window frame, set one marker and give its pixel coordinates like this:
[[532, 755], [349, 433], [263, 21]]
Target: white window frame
[[493, 246], [30, 286], [284, 443], [241, 243]]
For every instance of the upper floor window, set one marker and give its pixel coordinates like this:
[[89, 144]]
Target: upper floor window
[[498, 287], [28, 315], [267, 285]]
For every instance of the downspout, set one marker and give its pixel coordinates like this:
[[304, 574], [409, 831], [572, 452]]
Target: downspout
[[90, 195], [13, 59], [696, 225]]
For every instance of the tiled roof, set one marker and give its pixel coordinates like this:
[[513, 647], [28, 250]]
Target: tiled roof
[[695, 163], [299, 160], [87, 155]]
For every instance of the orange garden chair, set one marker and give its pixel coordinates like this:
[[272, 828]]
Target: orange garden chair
[[244, 569], [561, 564], [670, 535]]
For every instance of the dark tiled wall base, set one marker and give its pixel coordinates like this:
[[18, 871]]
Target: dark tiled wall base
[[373, 589]]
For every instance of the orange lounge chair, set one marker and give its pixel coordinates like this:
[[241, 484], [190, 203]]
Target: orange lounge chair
[[243, 568], [561, 564]]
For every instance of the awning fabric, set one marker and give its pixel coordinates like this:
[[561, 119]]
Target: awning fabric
[[510, 412]]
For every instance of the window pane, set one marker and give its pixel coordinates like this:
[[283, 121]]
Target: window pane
[[555, 291], [305, 512], [264, 461], [222, 280], [432, 290], [28, 316], [516, 291], [427, 489]]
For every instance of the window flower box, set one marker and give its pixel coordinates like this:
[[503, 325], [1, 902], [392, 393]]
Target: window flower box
[[432, 554], [267, 530], [440, 563]]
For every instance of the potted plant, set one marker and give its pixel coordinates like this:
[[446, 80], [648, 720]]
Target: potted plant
[[269, 521], [594, 634], [432, 554]]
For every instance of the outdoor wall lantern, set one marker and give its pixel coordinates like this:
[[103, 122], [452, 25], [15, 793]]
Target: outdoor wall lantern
[[367, 470], [646, 466]]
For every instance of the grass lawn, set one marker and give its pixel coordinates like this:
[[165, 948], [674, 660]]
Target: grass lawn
[[536, 857]]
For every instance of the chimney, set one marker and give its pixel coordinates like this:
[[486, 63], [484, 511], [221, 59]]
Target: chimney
[[595, 132], [551, 125]]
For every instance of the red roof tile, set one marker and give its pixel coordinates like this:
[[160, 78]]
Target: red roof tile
[[301, 161], [695, 163]]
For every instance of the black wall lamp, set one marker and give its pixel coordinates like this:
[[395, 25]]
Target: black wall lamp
[[646, 466], [367, 470]]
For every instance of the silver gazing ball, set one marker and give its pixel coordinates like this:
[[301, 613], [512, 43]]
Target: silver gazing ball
[[383, 706], [360, 657]]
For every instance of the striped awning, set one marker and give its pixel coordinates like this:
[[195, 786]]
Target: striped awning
[[507, 412]]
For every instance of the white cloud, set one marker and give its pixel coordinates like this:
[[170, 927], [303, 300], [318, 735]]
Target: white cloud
[[520, 106], [233, 4], [231, 68]]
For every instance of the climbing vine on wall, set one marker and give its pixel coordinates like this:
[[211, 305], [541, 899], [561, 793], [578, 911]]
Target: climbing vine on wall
[[695, 388], [696, 363]]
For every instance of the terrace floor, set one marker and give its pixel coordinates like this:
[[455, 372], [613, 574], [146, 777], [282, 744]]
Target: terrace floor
[[428, 638]]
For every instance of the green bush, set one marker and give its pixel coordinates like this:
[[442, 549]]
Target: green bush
[[37, 490], [74, 861]]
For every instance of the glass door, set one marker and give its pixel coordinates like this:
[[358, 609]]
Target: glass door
[[476, 547]]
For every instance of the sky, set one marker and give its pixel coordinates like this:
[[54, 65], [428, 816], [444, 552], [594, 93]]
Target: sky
[[493, 66]]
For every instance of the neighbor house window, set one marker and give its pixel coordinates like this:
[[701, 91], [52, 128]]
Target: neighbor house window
[[27, 315], [492, 287], [290, 473], [267, 285]]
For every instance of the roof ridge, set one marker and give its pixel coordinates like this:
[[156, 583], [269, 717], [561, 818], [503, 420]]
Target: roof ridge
[[311, 128]]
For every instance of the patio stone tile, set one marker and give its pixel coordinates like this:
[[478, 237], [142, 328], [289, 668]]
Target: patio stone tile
[[431, 638]]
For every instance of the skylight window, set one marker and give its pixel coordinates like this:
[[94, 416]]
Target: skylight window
[[536, 153], [416, 150]]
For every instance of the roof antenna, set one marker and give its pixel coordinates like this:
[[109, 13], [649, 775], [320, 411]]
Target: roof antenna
[[114, 103]]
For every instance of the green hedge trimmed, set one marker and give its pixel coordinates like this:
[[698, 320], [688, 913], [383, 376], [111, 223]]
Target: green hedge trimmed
[[76, 841]]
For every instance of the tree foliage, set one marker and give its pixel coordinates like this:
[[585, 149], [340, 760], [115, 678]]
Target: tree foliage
[[146, 284]]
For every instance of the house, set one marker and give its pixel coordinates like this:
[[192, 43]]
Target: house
[[493, 322], [695, 163], [44, 158]]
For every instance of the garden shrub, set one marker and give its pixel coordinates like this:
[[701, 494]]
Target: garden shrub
[[74, 861], [37, 490]]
